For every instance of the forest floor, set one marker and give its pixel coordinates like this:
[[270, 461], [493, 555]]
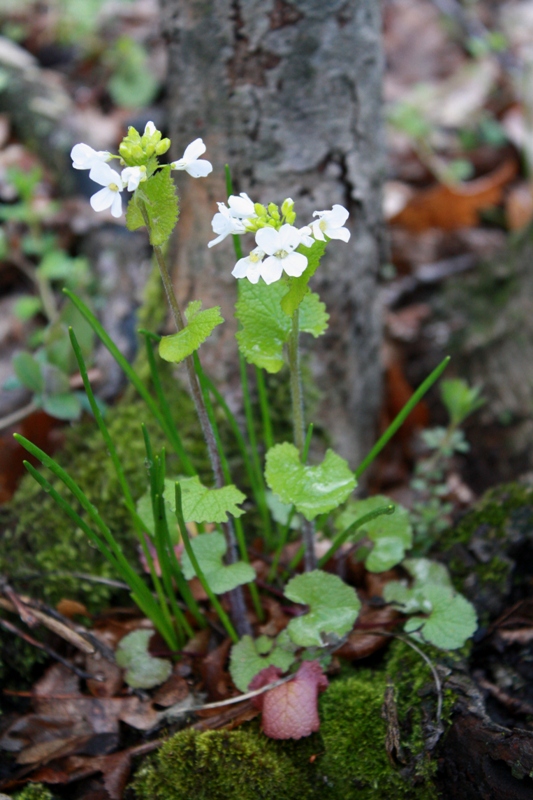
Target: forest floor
[[459, 188]]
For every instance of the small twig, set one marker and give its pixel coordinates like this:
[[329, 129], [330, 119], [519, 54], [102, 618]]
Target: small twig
[[10, 628], [59, 628], [512, 703], [232, 700]]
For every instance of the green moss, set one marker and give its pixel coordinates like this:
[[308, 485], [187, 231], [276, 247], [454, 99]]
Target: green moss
[[346, 760], [228, 765], [34, 791], [483, 550]]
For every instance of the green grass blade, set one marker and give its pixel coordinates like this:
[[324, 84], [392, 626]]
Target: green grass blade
[[341, 537], [132, 376], [402, 416]]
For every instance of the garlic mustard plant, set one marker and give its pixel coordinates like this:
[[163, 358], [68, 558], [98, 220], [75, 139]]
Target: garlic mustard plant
[[275, 308]]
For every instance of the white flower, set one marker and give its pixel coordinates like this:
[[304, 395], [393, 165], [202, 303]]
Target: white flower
[[109, 196], [84, 157], [133, 176], [149, 129], [331, 224], [224, 224], [250, 267], [241, 207], [280, 246], [197, 167], [305, 236]]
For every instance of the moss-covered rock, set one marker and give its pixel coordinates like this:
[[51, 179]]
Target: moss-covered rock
[[346, 760], [487, 550]]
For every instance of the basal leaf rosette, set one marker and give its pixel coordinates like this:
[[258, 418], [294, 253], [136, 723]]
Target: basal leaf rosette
[[312, 490], [265, 327], [209, 549], [391, 535], [333, 607], [449, 619], [200, 325]]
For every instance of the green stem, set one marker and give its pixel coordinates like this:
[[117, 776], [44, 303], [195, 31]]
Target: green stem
[[265, 411], [201, 577], [308, 534]]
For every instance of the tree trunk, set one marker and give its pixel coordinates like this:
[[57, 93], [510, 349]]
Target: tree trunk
[[289, 95]]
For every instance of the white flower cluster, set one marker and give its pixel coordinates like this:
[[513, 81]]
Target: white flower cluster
[[113, 183], [276, 248]]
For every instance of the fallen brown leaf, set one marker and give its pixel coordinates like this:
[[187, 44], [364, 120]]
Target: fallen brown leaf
[[450, 208]]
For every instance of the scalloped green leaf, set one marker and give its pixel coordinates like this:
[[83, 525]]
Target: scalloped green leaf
[[391, 535], [313, 315], [450, 619], [333, 607], [201, 504], [265, 327], [143, 671], [249, 657], [451, 622], [209, 549], [313, 490], [158, 195], [298, 286], [200, 325]]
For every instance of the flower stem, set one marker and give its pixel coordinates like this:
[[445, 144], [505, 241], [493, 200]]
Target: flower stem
[[308, 533], [236, 596]]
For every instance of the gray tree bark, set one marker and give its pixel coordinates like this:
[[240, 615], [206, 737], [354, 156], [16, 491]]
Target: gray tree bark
[[288, 94]]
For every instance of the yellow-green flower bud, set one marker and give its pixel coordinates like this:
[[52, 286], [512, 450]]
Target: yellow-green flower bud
[[162, 147], [273, 210], [260, 210]]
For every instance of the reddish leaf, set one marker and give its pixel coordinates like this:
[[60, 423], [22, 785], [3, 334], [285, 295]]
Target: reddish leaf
[[290, 711]]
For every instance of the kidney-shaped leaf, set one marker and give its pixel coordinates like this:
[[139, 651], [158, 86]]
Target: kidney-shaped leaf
[[333, 607], [313, 490], [209, 549]]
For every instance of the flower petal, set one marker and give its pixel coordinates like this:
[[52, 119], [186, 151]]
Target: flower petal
[[116, 205], [241, 268], [102, 199], [199, 169], [338, 215], [271, 269], [194, 150], [339, 233], [268, 240], [103, 174], [289, 237], [295, 264]]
